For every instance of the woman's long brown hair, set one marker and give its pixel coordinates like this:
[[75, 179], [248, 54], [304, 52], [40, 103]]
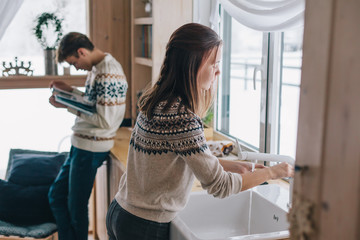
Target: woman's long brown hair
[[188, 47]]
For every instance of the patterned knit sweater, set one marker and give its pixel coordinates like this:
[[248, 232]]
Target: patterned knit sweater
[[105, 87], [165, 154]]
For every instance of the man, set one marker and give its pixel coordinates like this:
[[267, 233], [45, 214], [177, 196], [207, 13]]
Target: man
[[105, 87]]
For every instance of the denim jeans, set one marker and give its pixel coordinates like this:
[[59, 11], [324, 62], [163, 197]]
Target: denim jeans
[[122, 225], [70, 192]]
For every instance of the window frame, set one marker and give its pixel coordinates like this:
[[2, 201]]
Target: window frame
[[271, 80]]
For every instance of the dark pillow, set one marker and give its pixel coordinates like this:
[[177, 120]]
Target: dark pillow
[[16, 151], [24, 205], [33, 169]]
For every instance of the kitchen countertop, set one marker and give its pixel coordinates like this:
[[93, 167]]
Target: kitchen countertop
[[121, 144]]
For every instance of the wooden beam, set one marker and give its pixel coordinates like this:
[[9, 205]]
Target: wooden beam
[[19, 82], [340, 193], [328, 133]]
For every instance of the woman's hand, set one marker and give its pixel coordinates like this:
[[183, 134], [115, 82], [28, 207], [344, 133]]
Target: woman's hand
[[281, 170], [238, 167], [252, 179]]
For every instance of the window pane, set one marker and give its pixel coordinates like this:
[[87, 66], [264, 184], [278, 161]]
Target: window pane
[[244, 102], [29, 121], [20, 41], [290, 90]]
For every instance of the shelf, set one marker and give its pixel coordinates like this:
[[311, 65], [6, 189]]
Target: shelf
[[149, 36], [143, 21], [18, 82], [144, 61]]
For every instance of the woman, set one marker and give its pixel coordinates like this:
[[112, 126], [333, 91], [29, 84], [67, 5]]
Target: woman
[[168, 147]]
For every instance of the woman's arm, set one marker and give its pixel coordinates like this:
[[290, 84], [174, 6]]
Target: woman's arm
[[252, 179], [237, 166]]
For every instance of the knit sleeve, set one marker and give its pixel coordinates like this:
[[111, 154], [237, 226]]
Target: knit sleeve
[[109, 92], [206, 167]]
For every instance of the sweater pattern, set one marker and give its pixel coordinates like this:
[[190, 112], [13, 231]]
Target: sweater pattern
[[107, 90], [174, 130]]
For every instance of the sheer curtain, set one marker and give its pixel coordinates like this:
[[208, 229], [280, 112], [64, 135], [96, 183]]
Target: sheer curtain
[[262, 15], [8, 9]]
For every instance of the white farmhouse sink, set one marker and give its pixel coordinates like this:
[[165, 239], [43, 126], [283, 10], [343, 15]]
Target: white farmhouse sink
[[257, 215]]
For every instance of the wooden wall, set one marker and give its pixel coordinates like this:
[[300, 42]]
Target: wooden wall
[[164, 12], [326, 198], [109, 29]]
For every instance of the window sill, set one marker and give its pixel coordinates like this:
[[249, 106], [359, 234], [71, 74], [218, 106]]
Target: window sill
[[19, 82]]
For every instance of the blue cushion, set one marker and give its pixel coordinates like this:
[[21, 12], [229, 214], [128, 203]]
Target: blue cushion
[[24, 205], [24, 197], [35, 169], [35, 231], [16, 151]]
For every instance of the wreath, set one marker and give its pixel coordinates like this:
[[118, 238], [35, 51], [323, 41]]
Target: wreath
[[44, 20]]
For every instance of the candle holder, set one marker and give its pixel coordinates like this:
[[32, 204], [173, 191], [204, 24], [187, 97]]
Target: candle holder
[[16, 69]]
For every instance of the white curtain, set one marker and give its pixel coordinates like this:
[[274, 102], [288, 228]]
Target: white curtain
[[263, 15], [8, 9]]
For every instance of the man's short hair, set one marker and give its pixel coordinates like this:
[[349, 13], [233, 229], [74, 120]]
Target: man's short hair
[[70, 43]]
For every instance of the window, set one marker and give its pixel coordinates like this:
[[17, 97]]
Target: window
[[240, 95], [290, 68], [20, 41], [28, 120], [258, 93]]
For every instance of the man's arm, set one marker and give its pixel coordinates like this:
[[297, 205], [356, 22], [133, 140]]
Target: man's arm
[[110, 101]]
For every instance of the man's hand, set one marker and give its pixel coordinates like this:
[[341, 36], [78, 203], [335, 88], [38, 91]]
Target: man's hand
[[61, 85], [53, 102]]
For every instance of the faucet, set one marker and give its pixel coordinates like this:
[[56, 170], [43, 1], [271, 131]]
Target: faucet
[[254, 157]]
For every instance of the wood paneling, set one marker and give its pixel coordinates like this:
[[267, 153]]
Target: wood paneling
[[329, 117], [312, 109], [342, 131], [109, 29], [101, 202], [115, 171], [168, 16], [106, 186], [165, 18]]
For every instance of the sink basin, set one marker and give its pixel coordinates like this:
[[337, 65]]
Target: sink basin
[[260, 213]]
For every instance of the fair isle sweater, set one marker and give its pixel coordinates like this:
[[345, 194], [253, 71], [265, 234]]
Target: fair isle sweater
[[106, 88], [165, 155]]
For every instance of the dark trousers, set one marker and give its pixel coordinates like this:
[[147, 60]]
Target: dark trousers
[[122, 225], [69, 194]]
